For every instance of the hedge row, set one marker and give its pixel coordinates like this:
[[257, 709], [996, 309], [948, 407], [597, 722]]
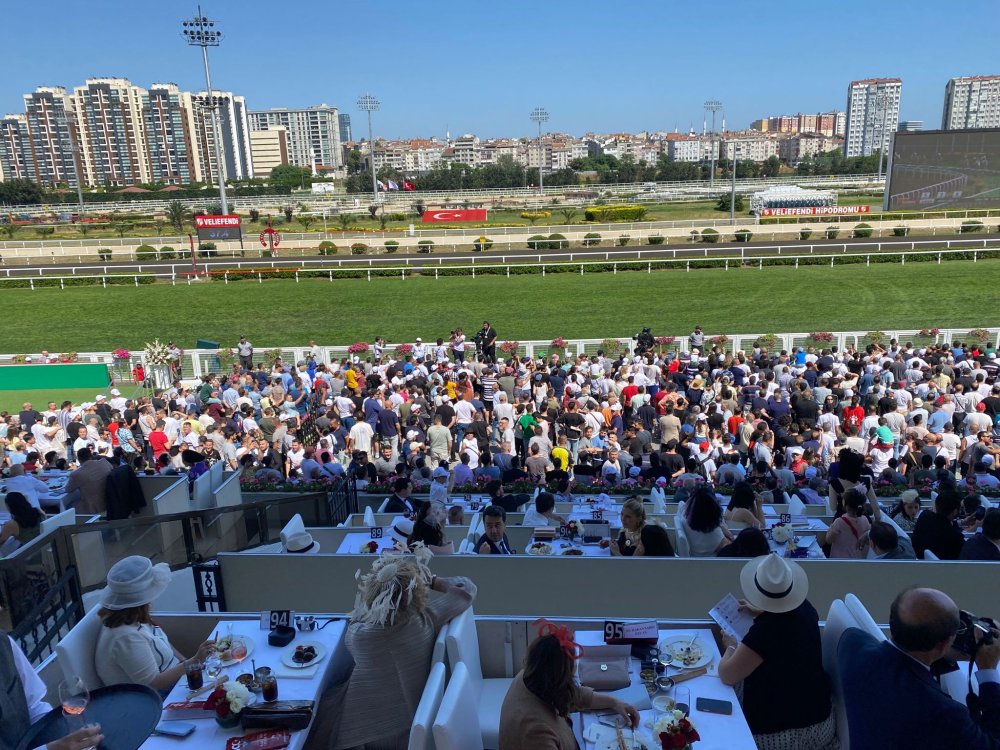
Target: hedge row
[[614, 213], [41, 283]]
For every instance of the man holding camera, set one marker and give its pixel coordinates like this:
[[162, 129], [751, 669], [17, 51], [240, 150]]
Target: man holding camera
[[643, 341], [879, 677], [487, 337]]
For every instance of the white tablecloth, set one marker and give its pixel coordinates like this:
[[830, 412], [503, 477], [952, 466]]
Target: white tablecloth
[[208, 735], [814, 552], [352, 543], [560, 545], [717, 732]]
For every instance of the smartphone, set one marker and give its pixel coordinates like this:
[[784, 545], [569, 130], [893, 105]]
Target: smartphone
[[174, 728], [713, 706]]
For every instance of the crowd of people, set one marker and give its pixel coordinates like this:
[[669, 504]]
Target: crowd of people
[[814, 423]]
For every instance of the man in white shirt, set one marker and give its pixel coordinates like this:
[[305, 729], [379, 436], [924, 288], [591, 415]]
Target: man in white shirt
[[33, 489], [117, 402]]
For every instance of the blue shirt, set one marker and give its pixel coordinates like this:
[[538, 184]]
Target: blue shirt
[[937, 420]]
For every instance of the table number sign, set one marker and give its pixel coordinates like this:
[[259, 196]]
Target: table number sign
[[785, 518], [616, 631], [272, 618], [377, 532], [597, 514]]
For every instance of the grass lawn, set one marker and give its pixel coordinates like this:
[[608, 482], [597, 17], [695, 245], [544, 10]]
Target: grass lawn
[[282, 312], [11, 401]]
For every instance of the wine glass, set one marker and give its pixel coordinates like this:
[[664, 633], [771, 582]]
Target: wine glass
[[74, 697], [213, 667], [239, 649]]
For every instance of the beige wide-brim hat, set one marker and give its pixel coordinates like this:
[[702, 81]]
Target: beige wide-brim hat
[[133, 582], [301, 542], [774, 584]]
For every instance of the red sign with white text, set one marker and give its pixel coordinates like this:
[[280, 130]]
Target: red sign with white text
[[815, 210], [214, 222], [457, 214]]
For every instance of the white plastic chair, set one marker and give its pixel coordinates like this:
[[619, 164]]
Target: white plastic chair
[[864, 619], [928, 555], [464, 547], [440, 646], [683, 546], [456, 726], [75, 652], [421, 730], [795, 506], [487, 694], [838, 620], [10, 546], [369, 516], [382, 507], [658, 499], [476, 528]]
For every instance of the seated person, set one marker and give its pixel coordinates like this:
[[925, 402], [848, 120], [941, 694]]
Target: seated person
[[936, 528], [494, 541], [750, 542], [25, 520], [887, 544], [428, 529], [131, 649], [542, 512]]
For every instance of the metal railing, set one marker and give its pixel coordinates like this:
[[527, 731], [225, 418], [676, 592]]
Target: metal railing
[[41, 588]]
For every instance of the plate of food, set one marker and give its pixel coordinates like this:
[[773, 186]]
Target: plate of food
[[539, 548], [685, 652], [304, 654], [572, 551], [223, 649]]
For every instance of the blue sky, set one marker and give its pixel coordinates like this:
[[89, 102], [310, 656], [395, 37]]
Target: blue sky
[[482, 67]]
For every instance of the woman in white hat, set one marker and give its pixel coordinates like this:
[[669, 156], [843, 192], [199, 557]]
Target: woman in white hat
[[786, 694], [131, 648]]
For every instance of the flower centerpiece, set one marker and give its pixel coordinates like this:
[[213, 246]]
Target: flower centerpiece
[[369, 548], [156, 353], [228, 701], [675, 731], [782, 533], [769, 341], [662, 341], [359, 347], [402, 351], [510, 347], [557, 343], [929, 332], [121, 354]]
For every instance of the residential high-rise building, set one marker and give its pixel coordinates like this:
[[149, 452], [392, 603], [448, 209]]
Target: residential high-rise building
[[823, 123], [971, 102], [169, 119], [314, 133], [52, 131], [235, 126], [910, 126], [268, 149], [872, 115], [112, 135], [16, 161], [344, 122]]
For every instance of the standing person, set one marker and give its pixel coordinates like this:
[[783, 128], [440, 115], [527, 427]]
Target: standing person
[[784, 639], [245, 351], [458, 345], [489, 337]]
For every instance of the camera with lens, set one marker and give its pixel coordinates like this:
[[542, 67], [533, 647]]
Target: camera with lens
[[965, 639]]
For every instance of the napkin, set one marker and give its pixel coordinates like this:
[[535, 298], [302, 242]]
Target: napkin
[[635, 694], [287, 673]]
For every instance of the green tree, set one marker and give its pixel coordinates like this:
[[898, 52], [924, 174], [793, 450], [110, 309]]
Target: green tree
[[354, 161], [122, 227], [177, 214], [9, 230], [723, 203], [306, 221], [20, 192], [344, 220], [288, 175], [82, 228], [569, 214], [771, 167]]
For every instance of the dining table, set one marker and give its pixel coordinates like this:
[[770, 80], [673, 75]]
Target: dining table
[[293, 683], [718, 731], [353, 542], [560, 547]]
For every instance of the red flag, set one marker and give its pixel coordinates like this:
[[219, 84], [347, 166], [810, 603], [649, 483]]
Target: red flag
[[408, 185], [468, 214]]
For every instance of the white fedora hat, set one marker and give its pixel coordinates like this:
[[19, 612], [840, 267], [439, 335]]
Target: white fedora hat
[[774, 584], [301, 543]]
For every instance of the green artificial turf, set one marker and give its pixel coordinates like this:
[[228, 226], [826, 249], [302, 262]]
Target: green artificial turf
[[283, 312], [11, 401]]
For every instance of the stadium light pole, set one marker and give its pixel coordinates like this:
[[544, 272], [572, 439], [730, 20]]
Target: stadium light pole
[[713, 106], [369, 104], [539, 115], [732, 192], [200, 32], [881, 102]]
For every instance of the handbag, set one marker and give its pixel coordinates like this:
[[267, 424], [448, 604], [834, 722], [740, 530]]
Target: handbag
[[605, 667], [292, 715]]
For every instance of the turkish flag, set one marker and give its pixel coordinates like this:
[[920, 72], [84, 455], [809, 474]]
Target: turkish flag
[[408, 185], [450, 215]]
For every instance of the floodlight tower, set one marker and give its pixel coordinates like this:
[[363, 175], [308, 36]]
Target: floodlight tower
[[713, 106], [539, 115], [369, 104]]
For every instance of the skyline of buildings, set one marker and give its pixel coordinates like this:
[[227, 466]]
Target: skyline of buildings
[[110, 132]]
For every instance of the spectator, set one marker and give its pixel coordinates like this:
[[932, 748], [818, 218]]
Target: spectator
[[986, 545], [745, 506], [543, 512], [906, 511], [923, 624], [845, 534], [750, 542], [494, 541], [887, 544], [784, 639], [936, 529], [25, 519], [701, 518]]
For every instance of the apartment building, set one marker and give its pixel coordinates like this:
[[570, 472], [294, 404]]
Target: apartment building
[[52, 131], [872, 115], [268, 149], [16, 160], [314, 133], [971, 102]]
